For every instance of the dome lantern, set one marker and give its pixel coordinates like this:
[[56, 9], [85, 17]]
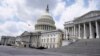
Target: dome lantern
[[47, 9]]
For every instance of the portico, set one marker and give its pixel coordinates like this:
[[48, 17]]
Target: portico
[[85, 27]]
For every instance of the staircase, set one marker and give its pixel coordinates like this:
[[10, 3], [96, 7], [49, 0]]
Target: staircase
[[83, 46]]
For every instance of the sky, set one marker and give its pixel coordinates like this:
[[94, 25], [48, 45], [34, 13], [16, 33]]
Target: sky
[[17, 16]]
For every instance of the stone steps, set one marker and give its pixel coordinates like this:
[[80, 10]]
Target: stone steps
[[85, 46]]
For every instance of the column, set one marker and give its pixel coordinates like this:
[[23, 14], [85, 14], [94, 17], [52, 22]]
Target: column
[[65, 33], [91, 31], [49, 27], [68, 33], [37, 27], [74, 31], [45, 27], [68, 30], [97, 29], [41, 27], [79, 31], [85, 36], [71, 31]]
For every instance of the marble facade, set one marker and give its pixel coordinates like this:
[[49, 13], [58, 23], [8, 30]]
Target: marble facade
[[86, 26]]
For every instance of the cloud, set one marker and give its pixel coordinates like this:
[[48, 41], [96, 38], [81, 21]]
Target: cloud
[[41, 4], [17, 16], [59, 8], [21, 15], [75, 10], [16, 28]]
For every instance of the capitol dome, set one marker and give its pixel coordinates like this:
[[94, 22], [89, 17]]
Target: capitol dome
[[45, 22]]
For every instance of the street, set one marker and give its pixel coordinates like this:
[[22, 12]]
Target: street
[[15, 51], [12, 51]]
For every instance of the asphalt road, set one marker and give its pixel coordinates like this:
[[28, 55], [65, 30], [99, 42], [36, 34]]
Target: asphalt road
[[15, 51]]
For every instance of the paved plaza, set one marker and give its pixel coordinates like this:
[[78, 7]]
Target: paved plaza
[[13, 51], [87, 47]]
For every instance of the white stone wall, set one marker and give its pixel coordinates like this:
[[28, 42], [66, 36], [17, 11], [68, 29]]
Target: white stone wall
[[34, 41], [51, 40]]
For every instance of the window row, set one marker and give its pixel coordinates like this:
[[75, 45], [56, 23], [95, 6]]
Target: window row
[[49, 45], [49, 35], [48, 40]]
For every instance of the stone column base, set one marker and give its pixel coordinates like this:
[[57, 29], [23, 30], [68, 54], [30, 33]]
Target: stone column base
[[79, 38], [85, 37], [91, 37], [97, 36]]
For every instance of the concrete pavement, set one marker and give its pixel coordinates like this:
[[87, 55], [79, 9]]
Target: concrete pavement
[[12, 51]]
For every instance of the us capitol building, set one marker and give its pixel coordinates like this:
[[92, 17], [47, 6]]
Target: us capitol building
[[46, 35]]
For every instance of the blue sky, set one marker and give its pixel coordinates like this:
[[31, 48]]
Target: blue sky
[[17, 15]]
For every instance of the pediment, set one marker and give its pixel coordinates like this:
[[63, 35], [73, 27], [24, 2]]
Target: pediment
[[91, 14], [25, 33], [88, 15]]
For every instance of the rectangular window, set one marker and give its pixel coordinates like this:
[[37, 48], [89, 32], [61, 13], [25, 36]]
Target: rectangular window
[[54, 39], [44, 40], [47, 40], [51, 39]]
